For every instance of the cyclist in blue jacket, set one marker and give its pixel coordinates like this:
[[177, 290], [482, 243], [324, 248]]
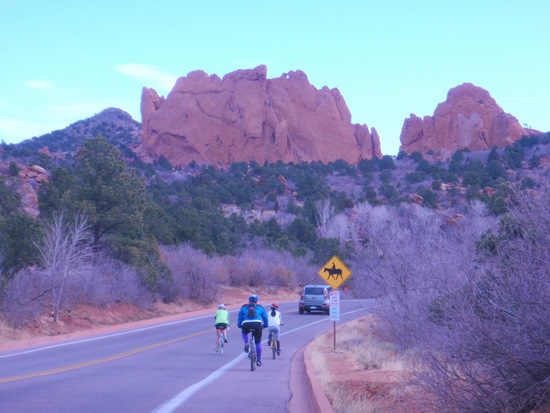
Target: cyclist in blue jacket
[[252, 317]]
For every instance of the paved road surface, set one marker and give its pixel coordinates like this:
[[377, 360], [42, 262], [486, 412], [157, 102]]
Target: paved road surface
[[164, 367]]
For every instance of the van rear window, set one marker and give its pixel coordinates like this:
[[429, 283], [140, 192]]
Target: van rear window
[[314, 290]]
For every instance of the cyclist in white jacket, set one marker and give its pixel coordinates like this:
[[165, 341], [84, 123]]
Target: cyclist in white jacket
[[275, 323]]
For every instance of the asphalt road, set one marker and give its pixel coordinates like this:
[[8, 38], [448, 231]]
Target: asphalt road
[[164, 367]]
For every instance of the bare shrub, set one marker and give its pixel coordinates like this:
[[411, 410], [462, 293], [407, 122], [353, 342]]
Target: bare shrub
[[266, 267], [103, 282], [111, 281], [195, 275], [476, 324], [247, 269], [22, 302], [411, 258], [490, 342]]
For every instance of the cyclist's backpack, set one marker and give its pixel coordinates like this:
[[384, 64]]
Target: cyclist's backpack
[[251, 311]]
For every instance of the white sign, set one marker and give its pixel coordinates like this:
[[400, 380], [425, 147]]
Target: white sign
[[335, 305]]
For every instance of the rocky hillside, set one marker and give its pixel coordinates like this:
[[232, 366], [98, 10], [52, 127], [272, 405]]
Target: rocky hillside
[[116, 124], [246, 117], [469, 119]]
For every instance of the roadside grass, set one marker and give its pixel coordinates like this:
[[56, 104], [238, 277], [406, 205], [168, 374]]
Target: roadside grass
[[363, 374]]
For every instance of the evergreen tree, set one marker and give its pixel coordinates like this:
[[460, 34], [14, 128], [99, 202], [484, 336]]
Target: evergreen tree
[[18, 234], [112, 198]]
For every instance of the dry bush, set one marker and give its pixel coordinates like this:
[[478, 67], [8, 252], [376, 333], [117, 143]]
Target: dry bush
[[113, 281], [65, 252], [476, 324], [266, 267], [195, 275], [22, 302], [413, 257], [490, 342], [247, 270], [103, 282]]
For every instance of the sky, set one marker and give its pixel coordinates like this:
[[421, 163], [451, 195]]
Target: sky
[[64, 60]]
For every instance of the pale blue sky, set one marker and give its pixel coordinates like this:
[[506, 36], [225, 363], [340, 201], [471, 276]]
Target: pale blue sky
[[66, 60]]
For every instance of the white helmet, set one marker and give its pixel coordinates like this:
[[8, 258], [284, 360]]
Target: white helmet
[[221, 306]]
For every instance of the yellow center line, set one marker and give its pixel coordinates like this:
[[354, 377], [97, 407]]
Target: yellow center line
[[103, 360]]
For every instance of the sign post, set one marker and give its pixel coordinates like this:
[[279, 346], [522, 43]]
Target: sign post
[[335, 273], [334, 311]]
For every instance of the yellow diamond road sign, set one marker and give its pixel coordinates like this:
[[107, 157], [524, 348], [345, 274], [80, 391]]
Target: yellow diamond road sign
[[334, 272]]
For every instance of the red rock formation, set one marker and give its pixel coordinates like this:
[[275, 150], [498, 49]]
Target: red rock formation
[[30, 178], [46, 151], [247, 117], [469, 118], [26, 184]]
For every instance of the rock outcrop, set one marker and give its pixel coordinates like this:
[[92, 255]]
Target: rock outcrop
[[469, 118], [247, 117], [26, 184]]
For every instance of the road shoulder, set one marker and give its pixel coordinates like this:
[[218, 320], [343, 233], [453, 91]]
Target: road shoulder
[[307, 393]]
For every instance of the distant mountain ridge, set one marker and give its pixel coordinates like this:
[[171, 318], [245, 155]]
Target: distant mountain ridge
[[115, 124]]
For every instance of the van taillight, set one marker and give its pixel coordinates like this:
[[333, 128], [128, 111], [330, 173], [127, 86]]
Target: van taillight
[[302, 296], [326, 294]]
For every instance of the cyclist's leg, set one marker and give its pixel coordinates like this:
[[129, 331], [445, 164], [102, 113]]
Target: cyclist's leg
[[217, 336], [244, 333], [224, 333], [276, 337]]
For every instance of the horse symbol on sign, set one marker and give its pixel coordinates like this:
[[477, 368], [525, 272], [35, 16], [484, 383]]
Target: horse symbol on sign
[[334, 272]]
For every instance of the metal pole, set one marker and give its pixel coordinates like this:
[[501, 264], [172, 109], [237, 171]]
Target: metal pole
[[334, 335]]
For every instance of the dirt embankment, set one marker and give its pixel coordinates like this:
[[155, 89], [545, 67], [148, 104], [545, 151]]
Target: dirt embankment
[[362, 373]]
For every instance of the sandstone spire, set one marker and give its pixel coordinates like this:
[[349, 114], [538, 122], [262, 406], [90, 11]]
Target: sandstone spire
[[247, 117], [469, 118]]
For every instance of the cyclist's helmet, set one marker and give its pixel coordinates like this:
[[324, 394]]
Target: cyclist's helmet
[[221, 306], [274, 306], [253, 298]]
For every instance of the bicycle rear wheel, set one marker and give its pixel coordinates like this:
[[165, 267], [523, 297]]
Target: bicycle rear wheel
[[274, 348], [221, 342], [252, 355]]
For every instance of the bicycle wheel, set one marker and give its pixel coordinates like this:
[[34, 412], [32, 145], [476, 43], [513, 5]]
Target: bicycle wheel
[[273, 347], [221, 342], [252, 355]]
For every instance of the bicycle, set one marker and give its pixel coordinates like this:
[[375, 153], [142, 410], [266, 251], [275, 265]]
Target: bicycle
[[273, 344], [221, 341], [252, 352]]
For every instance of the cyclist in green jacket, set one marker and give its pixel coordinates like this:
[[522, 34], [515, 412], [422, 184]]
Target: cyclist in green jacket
[[222, 322]]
